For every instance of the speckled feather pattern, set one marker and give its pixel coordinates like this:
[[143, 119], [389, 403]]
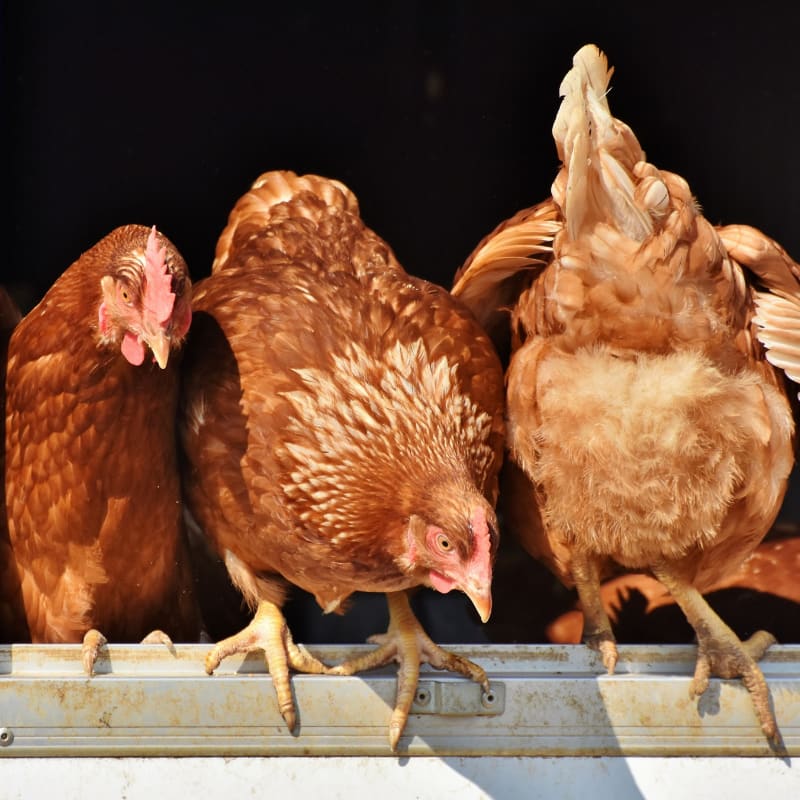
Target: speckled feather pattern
[[328, 396]]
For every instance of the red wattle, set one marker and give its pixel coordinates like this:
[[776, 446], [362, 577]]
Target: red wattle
[[440, 582], [133, 349]]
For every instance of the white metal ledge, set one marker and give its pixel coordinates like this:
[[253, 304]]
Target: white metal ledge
[[547, 701]]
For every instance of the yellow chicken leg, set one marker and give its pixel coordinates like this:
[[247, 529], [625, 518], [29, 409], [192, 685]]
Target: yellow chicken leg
[[720, 651], [597, 632], [269, 632], [407, 643]]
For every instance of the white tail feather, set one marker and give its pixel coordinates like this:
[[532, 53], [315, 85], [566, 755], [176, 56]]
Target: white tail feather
[[598, 152], [778, 323]]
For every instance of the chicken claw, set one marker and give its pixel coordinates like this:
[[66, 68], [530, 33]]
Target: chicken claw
[[407, 643], [269, 632], [93, 640], [159, 637], [720, 651]]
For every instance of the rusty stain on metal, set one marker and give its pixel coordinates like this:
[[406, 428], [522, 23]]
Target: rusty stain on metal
[[543, 701]]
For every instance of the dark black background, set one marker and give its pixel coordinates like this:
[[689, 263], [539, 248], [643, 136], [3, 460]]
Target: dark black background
[[436, 114]]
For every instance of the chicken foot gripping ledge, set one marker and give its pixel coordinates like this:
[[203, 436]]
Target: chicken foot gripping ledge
[[269, 632], [720, 651], [407, 643], [94, 640], [597, 632]]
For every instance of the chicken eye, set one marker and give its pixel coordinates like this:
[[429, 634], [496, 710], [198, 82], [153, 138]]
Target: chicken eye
[[126, 295], [443, 543]]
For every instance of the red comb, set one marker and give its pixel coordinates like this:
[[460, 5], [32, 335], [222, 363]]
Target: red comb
[[158, 295], [481, 559], [480, 530]]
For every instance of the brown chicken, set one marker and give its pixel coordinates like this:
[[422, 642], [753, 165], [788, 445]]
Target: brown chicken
[[91, 479], [343, 428], [647, 431]]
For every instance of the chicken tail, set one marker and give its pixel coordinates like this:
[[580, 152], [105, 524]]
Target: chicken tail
[[604, 177], [604, 180]]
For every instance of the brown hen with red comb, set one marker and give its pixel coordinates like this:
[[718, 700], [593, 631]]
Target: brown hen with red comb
[[93, 497]]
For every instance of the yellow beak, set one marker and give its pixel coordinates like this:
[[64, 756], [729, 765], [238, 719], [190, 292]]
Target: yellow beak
[[481, 597], [159, 344]]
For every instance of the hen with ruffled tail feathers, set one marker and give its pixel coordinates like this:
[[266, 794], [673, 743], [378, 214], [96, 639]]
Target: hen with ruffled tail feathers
[[647, 428]]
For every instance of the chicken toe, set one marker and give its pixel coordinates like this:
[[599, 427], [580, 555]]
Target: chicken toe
[[93, 640], [721, 652], [727, 663], [407, 643], [159, 637], [269, 632]]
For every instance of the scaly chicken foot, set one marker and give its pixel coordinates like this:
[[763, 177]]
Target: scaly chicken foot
[[597, 632], [407, 643], [269, 632], [720, 651]]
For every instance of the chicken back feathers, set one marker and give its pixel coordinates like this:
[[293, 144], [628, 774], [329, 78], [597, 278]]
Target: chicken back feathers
[[355, 397], [647, 427], [92, 487]]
